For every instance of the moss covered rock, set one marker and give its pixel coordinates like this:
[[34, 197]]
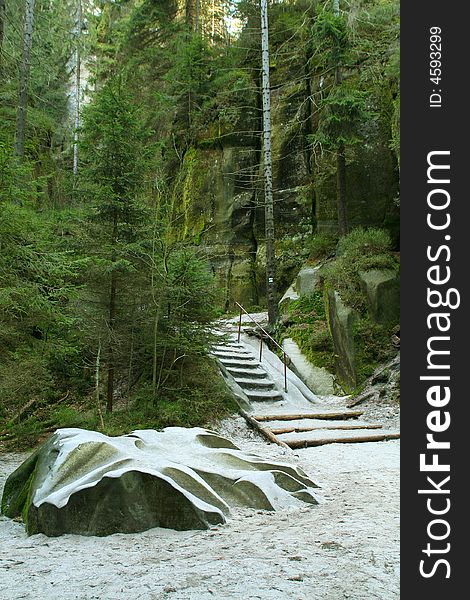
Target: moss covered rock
[[86, 483], [382, 290], [341, 320]]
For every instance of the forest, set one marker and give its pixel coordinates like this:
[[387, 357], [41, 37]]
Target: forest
[[133, 206]]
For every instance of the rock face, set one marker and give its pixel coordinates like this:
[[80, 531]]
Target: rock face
[[218, 198], [307, 280], [86, 483], [372, 184], [341, 319], [317, 379], [382, 290]]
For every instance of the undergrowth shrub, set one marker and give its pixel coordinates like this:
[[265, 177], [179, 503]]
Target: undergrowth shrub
[[320, 246], [361, 250]]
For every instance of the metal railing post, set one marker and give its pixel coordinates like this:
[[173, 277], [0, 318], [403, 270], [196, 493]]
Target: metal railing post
[[242, 310], [285, 372]]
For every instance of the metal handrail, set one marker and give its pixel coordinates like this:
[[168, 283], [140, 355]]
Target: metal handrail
[[242, 310]]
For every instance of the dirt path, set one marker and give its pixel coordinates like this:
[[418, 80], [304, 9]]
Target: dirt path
[[347, 547]]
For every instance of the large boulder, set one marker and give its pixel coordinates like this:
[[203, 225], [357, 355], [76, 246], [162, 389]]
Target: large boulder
[[307, 281], [318, 379], [382, 290], [87, 483], [341, 320], [290, 295]]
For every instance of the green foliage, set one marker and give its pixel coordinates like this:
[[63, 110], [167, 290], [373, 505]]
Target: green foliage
[[202, 398], [307, 309], [15, 179], [368, 242], [114, 156], [308, 327], [372, 345], [330, 36], [163, 94], [343, 112], [320, 246], [361, 250]]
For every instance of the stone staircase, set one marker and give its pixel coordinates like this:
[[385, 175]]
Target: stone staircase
[[248, 372], [279, 419]]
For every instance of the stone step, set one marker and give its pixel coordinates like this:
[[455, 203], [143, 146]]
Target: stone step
[[248, 363], [263, 395], [229, 347], [248, 382], [231, 354], [240, 371]]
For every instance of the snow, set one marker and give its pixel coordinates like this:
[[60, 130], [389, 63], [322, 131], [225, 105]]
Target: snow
[[345, 547]]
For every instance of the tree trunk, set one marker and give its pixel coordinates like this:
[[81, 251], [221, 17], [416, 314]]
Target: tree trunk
[[97, 385], [343, 226], [111, 357], [198, 11], [341, 190], [111, 323], [268, 176], [77, 86], [24, 78], [154, 362], [350, 414]]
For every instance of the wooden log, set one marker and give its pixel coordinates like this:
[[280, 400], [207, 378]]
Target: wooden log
[[361, 398], [265, 431], [352, 414], [301, 429], [295, 444]]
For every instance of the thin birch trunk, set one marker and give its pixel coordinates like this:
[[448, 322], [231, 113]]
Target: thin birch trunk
[[268, 176], [77, 86], [111, 324]]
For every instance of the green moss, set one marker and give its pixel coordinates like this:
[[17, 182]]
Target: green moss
[[17, 489], [309, 330], [320, 246], [307, 309], [189, 202], [361, 250], [372, 345]]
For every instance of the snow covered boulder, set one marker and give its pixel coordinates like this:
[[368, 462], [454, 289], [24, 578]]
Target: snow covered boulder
[[87, 483]]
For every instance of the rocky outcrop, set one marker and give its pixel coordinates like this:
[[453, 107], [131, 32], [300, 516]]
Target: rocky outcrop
[[318, 379], [371, 183], [341, 320], [383, 387], [307, 280], [382, 291], [87, 483], [218, 198]]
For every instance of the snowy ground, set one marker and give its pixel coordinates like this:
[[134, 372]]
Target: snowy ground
[[347, 547]]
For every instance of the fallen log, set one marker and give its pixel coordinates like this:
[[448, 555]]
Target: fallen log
[[295, 444], [31, 404], [361, 398], [317, 428], [265, 431], [352, 414]]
